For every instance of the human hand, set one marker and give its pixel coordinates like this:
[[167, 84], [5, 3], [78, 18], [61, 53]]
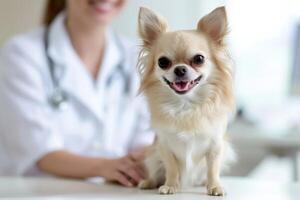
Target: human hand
[[125, 170], [138, 155]]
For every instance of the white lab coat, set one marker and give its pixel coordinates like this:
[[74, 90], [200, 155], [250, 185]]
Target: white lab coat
[[99, 119]]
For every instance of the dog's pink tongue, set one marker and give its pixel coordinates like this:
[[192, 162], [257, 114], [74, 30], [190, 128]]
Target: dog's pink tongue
[[181, 86]]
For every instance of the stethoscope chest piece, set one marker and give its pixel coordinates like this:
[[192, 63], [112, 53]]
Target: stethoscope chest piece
[[59, 99]]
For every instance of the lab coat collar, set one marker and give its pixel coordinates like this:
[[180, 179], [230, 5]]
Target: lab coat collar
[[68, 63], [111, 59], [59, 42]]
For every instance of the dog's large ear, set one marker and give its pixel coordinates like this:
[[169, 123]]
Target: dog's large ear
[[150, 25], [215, 24]]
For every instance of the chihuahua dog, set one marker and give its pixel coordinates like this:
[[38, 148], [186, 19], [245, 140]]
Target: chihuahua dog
[[186, 77]]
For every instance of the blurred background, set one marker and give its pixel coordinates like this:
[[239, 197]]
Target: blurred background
[[265, 44]]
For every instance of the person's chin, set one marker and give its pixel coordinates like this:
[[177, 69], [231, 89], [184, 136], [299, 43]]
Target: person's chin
[[104, 15], [103, 18]]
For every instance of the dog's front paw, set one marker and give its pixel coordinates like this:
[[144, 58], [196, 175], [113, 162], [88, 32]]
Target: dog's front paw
[[215, 190], [165, 189], [146, 184]]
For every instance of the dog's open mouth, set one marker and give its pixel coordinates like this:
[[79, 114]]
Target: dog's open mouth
[[183, 86]]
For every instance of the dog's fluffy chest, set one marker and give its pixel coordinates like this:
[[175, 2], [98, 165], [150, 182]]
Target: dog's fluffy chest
[[190, 147], [187, 147], [190, 150]]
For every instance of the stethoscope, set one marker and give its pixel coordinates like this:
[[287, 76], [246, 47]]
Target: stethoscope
[[59, 98]]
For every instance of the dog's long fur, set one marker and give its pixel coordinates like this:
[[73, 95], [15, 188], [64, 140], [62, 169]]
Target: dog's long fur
[[190, 129]]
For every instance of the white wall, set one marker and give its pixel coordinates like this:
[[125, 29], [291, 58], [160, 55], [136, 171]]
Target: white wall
[[263, 44], [17, 16]]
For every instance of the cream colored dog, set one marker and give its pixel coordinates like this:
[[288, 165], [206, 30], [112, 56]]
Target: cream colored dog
[[187, 80]]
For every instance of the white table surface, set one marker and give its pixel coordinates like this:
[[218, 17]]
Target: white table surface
[[59, 189]]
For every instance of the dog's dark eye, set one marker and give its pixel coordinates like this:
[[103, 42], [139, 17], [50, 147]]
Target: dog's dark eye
[[164, 62], [198, 59]]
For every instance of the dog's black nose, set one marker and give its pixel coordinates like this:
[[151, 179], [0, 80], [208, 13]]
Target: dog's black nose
[[180, 71]]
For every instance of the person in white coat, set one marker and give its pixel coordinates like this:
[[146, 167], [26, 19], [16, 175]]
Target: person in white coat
[[68, 97]]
